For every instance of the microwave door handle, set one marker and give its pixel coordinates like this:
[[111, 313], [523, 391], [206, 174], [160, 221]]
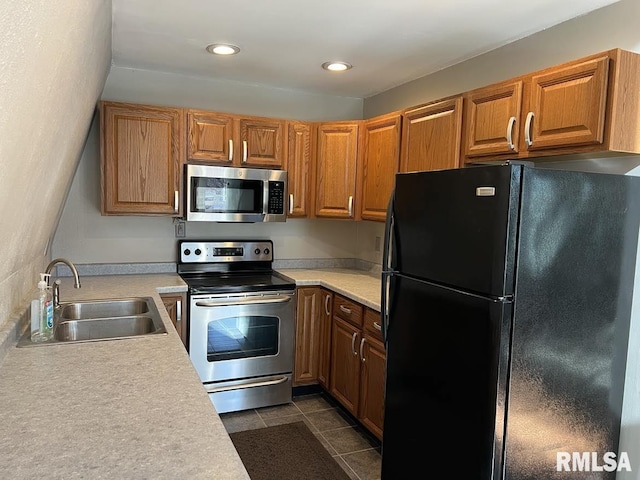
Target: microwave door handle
[[265, 199]]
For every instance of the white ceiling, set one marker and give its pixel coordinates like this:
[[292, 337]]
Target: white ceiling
[[284, 42]]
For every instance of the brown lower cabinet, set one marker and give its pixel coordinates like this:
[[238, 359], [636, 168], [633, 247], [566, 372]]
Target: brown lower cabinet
[[176, 304], [373, 359], [324, 352], [339, 346]]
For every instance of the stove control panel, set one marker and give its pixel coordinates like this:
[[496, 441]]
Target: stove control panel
[[223, 252]]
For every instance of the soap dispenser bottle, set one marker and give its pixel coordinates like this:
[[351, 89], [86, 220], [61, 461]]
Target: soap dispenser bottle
[[42, 312]]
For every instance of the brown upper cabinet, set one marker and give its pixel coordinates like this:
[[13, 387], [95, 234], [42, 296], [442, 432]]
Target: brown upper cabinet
[[299, 167], [335, 174], [587, 105], [378, 164], [235, 140], [431, 136], [141, 159]]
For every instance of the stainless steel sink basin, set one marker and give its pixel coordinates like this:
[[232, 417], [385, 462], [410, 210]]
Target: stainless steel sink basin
[[104, 308], [104, 328], [98, 320]]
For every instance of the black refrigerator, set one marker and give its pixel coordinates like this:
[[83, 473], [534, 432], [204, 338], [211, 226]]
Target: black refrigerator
[[506, 307]]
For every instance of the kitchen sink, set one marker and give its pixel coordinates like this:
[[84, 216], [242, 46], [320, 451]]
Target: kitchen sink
[[99, 320], [104, 308], [104, 328]]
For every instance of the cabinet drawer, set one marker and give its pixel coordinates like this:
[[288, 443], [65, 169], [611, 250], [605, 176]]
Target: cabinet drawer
[[347, 310], [373, 323]]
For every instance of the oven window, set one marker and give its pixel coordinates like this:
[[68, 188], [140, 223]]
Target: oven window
[[226, 195], [242, 337]]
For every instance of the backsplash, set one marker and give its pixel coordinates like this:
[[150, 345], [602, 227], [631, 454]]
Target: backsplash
[[94, 269]]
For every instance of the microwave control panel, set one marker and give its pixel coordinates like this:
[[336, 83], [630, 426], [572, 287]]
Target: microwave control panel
[[276, 198]]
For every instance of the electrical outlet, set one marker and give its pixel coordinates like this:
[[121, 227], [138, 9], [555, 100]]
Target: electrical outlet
[[181, 228], [377, 246]]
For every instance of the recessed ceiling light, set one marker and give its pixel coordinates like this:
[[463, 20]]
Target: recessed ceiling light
[[222, 49], [336, 66]]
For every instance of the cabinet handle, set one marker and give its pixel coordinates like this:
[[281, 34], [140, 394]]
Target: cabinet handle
[[291, 205], [377, 326], [230, 150], [245, 152], [351, 205], [326, 305], [512, 122], [361, 352], [527, 129], [179, 312], [353, 344], [345, 309], [176, 201]]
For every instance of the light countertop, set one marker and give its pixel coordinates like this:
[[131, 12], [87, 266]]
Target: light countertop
[[357, 285], [128, 408]]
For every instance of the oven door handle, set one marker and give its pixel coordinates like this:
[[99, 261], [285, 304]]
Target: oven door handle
[[244, 301], [262, 383]]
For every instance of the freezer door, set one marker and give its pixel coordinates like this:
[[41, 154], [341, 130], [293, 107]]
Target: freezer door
[[573, 305], [458, 227], [447, 360]]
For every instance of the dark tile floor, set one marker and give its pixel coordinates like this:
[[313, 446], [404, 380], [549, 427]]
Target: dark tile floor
[[357, 451]]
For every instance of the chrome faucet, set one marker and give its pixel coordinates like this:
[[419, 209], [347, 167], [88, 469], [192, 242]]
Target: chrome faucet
[[56, 285]]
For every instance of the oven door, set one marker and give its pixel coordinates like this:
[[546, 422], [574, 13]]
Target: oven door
[[243, 341]]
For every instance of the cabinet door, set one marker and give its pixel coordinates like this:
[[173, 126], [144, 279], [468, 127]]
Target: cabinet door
[[211, 136], [336, 169], [263, 142], [344, 380], [379, 164], [492, 119], [567, 106], [372, 381], [175, 305], [431, 136], [307, 336], [141, 159], [324, 360], [299, 168]]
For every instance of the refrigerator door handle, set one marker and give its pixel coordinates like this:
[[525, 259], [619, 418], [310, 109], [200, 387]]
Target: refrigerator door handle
[[387, 271], [389, 227]]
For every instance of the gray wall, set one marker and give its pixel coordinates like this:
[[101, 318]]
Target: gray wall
[[54, 58], [614, 26]]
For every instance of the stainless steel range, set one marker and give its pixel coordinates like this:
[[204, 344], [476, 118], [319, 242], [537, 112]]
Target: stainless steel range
[[241, 322]]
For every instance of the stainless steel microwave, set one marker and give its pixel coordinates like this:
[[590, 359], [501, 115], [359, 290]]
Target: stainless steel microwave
[[234, 194]]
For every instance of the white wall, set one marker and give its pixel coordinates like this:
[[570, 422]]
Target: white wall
[[54, 58], [609, 27]]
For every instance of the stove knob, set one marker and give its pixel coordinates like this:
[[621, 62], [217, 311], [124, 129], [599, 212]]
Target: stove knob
[[198, 251], [257, 251], [187, 251], [266, 251]]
